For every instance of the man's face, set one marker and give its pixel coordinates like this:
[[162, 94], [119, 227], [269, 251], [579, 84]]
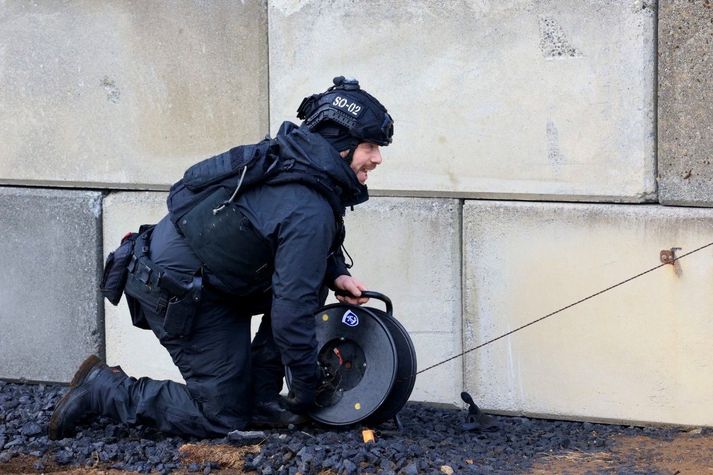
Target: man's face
[[366, 157]]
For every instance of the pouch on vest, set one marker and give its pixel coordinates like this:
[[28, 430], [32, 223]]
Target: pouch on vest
[[228, 245], [138, 317], [115, 270], [181, 311], [138, 294], [135, 288]]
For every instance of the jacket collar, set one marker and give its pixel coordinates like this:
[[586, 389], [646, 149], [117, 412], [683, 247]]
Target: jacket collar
[[313, 151]]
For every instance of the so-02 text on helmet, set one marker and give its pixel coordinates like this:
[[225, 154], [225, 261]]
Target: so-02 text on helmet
[[351, 108]]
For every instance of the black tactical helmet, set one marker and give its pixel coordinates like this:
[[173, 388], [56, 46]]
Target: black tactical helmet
[[347, 105]]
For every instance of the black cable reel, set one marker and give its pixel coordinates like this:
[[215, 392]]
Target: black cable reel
[[368, 361]]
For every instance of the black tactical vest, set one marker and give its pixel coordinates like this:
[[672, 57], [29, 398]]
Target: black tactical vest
[[202, 207]]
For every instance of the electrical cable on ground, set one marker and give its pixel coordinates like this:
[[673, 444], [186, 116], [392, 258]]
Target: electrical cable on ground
[[567, 307]]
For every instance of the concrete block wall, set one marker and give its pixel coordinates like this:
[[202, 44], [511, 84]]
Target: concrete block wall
[[127, 94], [97, 97], [636, 353], [386, 233], [498, 99], [546, 102], [50, 307], [137, 351], [383, 236], [685, 125]]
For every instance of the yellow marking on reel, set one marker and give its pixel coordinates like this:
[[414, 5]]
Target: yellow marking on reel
[[325, 317], [357, 406]]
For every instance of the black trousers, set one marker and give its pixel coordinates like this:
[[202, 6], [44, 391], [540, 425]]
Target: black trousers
[[224, 372]]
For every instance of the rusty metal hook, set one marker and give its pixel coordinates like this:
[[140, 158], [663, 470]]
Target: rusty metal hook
[[668, 256]]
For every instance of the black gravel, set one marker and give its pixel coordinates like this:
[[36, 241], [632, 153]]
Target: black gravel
[[431, 438]]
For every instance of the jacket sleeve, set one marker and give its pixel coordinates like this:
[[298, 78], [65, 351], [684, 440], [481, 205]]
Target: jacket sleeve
[[335, 267], [303, 244]]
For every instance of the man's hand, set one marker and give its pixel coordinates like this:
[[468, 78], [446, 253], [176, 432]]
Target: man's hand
[[353, 286]]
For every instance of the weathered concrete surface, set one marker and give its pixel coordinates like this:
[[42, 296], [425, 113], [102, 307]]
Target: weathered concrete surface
[[409, 249], [137, 351], [635, 353], [519, 98], [50, 314], [685, 118], [127, 94]]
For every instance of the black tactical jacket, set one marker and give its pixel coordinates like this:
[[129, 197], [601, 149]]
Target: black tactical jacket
[[300, 215]]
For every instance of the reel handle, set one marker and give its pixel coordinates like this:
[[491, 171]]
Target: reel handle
[[372, 295]]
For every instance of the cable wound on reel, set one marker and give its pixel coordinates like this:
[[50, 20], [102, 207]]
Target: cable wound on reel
[[368, 362]]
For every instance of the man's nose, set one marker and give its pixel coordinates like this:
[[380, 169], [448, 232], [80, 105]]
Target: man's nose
[[376, 158]]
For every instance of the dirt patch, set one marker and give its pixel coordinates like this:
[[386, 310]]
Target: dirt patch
[[685, 453], [575, 461], [226, 456], [29, 464], [229, 459]]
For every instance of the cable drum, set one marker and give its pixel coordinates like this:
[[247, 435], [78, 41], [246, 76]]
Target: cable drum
[[406, 371], [368, 361]]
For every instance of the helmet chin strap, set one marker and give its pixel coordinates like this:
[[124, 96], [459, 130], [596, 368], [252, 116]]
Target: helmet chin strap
[[350, 156]]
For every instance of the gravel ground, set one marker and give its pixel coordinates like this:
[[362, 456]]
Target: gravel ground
[[432, 441]]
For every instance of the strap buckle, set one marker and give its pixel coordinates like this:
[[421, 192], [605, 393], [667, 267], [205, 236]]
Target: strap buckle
[[144, 274]]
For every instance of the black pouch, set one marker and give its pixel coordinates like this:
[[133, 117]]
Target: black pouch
[[139, 294], [228, 244], [181, 311], [138, 317], [115, 270]]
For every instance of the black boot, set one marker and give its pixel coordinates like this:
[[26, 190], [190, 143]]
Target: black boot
[[78, 403], [272, 415]]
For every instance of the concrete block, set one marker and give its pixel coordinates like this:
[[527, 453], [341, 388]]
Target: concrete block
[[510, 99], [137, 351], [685, 119], [636, 353], [50, 314], [127, 94], [409, 249]]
